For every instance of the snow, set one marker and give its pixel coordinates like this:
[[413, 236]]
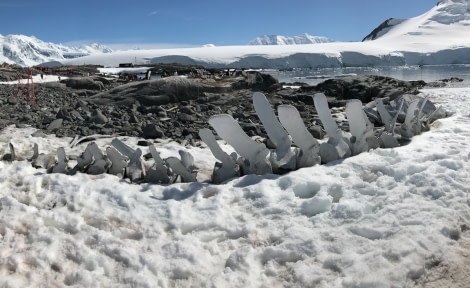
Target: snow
[[386, 218], [30, 51], [36, 79]]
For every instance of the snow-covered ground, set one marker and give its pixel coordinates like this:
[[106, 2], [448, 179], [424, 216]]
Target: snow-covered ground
[[387, 218]]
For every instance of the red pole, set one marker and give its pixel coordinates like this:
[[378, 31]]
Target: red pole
[[30, 76]]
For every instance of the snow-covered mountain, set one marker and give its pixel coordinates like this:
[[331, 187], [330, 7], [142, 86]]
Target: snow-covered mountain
[[448, 19], [288, 40], [30, 51]]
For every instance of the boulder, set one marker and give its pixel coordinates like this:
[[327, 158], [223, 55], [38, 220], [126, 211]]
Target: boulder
[[155, 92], [152, 131], [83, 83]]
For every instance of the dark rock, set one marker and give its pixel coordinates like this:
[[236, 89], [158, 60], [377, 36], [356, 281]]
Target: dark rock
[[143, 143], [83, 83], [12, 100], [152, 131], [98, 117], [186, 117], [55, 125], [38, 133]]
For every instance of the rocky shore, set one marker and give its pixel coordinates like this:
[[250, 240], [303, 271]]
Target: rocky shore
[[175, 107]]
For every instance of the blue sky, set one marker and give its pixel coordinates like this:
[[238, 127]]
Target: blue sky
[[172, 23]]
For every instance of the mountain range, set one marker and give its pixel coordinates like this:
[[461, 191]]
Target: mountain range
[[439, 36], [289, 40], [30, 51]]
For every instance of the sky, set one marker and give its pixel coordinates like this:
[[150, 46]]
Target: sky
[[179, 23]]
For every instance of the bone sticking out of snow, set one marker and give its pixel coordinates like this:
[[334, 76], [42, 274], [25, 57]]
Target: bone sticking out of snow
[[12, 152], [329, 124], [61, 165], [158, 173], [336, 147], [177, 166], [256, 153], [395, 118], [293, 123], [135, 169], [282, 157], [384, 114], [276, 132], [100, 162], [118, 162], [227, 168], [357, 126], [407, 131]]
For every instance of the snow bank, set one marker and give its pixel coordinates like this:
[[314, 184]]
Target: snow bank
[[388, 218]]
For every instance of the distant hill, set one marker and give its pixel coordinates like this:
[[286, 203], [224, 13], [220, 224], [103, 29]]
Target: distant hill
[[288, 40], [30, 51]]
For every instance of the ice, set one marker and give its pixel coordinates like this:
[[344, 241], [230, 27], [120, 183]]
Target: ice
[[225, 169], [282, 157], [336, 147], [255, 153], [309, 147]]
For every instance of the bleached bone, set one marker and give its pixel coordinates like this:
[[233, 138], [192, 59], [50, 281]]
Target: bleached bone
[[188, 161], [158, 173], [77, 140], [359, 126], [309, 146], [135, 169], [12, 152], [384, 115], [387, 137], [420, 119], [35, 152], [177, 166], [122, 147], [100, 162], [42, 160], [255, 153], [85, 159], [61, 165], [227, 167], [336, 147], [282, 157], [118, 162], [407, 130]]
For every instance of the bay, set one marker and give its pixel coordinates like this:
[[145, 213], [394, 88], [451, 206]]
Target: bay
[[427, 73]]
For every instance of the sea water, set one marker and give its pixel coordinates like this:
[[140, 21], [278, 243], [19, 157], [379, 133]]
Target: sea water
[[427, 73]]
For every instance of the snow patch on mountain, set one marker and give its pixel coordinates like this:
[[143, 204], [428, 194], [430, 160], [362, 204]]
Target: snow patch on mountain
[[449, 19], [289, 40], [30, 51]]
